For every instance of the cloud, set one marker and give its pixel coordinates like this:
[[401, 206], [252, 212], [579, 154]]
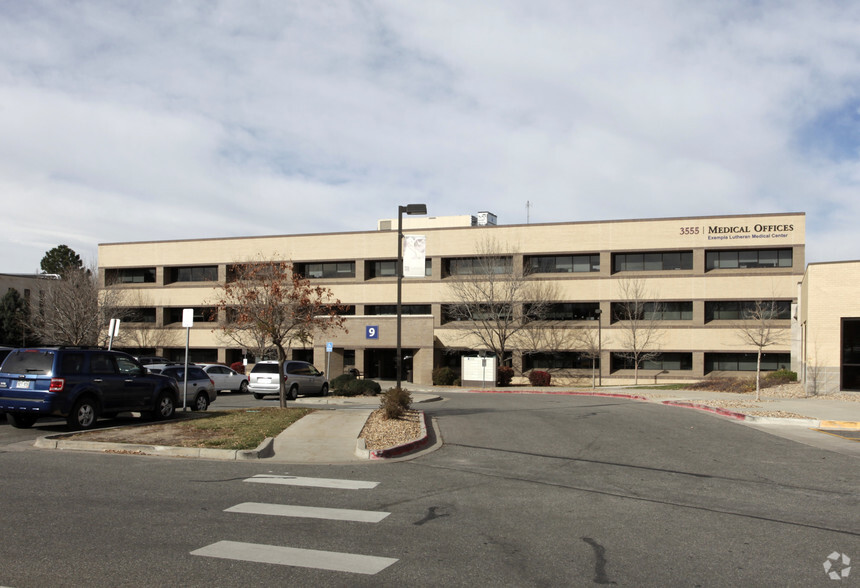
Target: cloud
[[142, 121]]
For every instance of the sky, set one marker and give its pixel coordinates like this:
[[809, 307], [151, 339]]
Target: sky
[[140, 120]]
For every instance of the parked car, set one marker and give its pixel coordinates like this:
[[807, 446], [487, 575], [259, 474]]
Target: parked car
[[201, 388], [226, 378], [80, 385], [300, 377]]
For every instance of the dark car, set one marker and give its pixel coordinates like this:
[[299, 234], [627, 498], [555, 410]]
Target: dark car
[[80, 385]]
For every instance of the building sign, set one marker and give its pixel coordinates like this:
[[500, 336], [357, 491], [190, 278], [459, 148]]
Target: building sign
[[414, 249], [726, 232], [371, 332]]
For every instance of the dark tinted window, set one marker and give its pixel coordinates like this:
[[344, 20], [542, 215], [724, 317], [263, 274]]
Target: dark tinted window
[[265, 368], [72, 364], [39, 363], [101, 364]]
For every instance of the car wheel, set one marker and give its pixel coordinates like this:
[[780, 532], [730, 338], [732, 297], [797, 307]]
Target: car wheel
[[293, 393], [84, 414], [243, 387], [201, 402], [258, 396], [165, 407], [324, 391], [20, 421]]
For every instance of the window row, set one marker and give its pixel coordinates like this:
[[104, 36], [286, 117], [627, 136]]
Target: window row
[[558, 311], [492, 265], [675, 361]]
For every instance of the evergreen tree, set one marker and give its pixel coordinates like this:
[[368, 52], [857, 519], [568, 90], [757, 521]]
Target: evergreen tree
[[61, 259]]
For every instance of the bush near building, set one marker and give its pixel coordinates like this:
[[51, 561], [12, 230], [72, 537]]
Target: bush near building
[[238, 367], [504, 375], [348, 385], [444, 376], [539, 378]]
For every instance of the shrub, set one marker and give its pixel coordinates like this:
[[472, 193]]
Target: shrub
[[238, 366], [339, 383], [443, 376], [778, 377], [539, 378], [504, 375], [355, 387], [395, 402]]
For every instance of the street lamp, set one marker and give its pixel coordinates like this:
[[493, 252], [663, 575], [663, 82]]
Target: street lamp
[[599, 349], [408, 209]]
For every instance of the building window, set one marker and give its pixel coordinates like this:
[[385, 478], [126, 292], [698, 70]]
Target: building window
[[130, 275], [732, 310], [478, 266], [648, 261], [748, 258], [378, 309], [561, 264], [202, 314], [561, 360], [653, 311], [475, 312], [334, 269], [567, 311], [387, 268], [141, 315], [661, 361], [745, 362], [850, 354], [198, 273]]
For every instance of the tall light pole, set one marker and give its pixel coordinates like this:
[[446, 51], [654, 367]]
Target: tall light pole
[[599, 349], [408, 209]]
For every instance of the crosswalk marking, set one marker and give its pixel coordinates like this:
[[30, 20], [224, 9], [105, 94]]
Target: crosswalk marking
[[312, 482], [291, 556], [309, 512]]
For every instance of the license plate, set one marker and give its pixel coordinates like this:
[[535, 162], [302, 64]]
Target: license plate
[[22, 384]]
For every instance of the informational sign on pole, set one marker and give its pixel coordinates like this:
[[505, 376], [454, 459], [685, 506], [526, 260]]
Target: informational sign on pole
[[113, 331], [187, 322]]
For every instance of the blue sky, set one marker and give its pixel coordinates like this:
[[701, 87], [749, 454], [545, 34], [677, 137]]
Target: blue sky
[[132, 121]]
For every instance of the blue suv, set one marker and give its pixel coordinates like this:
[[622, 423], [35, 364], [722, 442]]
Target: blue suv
[[80, 385]]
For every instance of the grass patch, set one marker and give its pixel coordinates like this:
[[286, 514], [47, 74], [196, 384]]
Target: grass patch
[[242, 429]]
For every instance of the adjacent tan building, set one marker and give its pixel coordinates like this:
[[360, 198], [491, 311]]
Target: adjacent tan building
[[698, 275]]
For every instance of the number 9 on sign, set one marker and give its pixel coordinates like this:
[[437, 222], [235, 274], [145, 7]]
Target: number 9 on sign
[[372, 332]]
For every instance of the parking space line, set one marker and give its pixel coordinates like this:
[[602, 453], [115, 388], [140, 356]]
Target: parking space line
[[309, 512], [290, 556], [312, 482]]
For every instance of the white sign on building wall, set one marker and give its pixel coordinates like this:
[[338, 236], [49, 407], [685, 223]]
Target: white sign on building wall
[[414, 252]]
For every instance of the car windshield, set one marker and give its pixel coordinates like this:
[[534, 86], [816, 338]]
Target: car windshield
[[29, 361]]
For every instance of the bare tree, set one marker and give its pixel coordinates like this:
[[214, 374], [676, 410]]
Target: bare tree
[[639, 323], [757, 328], [586, 339], [493, 298], [72, 310], [280, 303]]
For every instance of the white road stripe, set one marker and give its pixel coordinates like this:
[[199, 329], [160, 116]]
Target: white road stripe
[[290, 556], [309, 512], [313, 482]]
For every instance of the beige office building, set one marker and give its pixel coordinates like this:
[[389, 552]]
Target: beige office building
[[697, 276]]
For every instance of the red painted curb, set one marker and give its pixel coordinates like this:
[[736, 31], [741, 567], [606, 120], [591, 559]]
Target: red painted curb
[[720, 411], [404, 448]]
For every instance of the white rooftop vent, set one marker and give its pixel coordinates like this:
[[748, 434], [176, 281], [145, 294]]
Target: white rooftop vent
[[486, 218]]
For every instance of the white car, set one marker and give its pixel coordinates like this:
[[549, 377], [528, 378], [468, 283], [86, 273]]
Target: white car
[[225, 378]]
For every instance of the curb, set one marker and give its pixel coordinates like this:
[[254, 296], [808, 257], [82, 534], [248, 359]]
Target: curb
[[364, 453], [59, 441], [562, 393]]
